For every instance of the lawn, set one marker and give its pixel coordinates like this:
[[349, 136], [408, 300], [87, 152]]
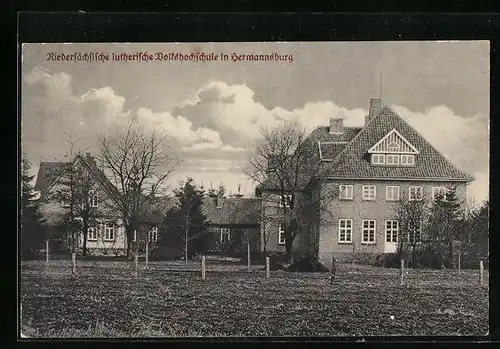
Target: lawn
[[169, 299]]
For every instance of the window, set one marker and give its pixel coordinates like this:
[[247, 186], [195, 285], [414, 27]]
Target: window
[[285, 200], [391, 231], [91, 234], [408, 160], [415, 193], [281, 234], [378, 159], [369, 192], [345, 231], [393, 147], [345, 192], [392, 159], [109, 232], [368, 233], [392, 193], [436, 191], [93, 198], [225, 235], [414, 232], [65, 203], [153, 234]]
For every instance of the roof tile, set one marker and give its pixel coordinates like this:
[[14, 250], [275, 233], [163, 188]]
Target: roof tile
[[354, 160]]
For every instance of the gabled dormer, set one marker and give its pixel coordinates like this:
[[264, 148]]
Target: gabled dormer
[[393, 150]]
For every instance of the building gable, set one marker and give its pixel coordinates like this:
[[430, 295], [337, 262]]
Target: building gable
[[393, 142], [52, 183]]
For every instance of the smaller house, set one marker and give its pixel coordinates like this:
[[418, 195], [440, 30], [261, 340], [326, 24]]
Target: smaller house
[[151, 223], [234, 223], [106, 232]]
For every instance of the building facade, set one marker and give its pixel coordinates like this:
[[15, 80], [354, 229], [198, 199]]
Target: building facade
[[360, 175], [233, 224], [106, 232]]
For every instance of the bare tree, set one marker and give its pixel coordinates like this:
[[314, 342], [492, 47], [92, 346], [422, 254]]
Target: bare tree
[[410, 216], [138, 162], [283, 162]]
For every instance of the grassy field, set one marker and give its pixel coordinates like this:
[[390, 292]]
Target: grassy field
[[169, 299]]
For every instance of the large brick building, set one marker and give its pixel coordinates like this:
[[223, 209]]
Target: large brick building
[[370, 168]]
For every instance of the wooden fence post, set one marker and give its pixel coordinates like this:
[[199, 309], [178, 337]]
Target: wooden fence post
[[459, 261], [481, 272], [402, 281], [47, 251], [267, 267], [73, 259], [332, 276], [248, 256], [136, 263], [353, 253], [203, 267]]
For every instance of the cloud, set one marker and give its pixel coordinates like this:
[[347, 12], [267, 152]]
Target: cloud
[[52, 113], [462, 140], [220, 121], [234, 113]]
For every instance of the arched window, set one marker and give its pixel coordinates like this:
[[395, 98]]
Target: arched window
[[393, 147]]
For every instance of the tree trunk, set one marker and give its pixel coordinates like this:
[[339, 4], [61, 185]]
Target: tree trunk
[[413, 255], [85, 229], [450, 253], [73, 243], [288, 235], [186, 245], [129, 244]]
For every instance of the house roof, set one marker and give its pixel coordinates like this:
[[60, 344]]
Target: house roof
[[232, 211], [48, 173], [158, 212], [354, 160], [319, 138], [91, 165]]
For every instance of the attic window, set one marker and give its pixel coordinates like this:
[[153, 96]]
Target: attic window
[[392, 159], [393, 147], [378, 159], [407, 159]]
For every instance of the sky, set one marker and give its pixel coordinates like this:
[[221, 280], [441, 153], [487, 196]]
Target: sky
[[212, 111]]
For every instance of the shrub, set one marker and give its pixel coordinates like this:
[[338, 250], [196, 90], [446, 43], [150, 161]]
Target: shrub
[[308, 265], [255, 257], [165, 253]]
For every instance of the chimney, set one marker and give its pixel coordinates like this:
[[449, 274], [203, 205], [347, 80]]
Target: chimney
[[375, 108], [337, 124], [91, 159]]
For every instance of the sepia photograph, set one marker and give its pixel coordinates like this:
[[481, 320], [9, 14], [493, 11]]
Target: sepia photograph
[[254, 189]]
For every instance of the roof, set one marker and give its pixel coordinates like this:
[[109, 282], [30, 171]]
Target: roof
[[354, 160], [158, 212], [48, 173], [91, 165], [233, 211], [320, 138]]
